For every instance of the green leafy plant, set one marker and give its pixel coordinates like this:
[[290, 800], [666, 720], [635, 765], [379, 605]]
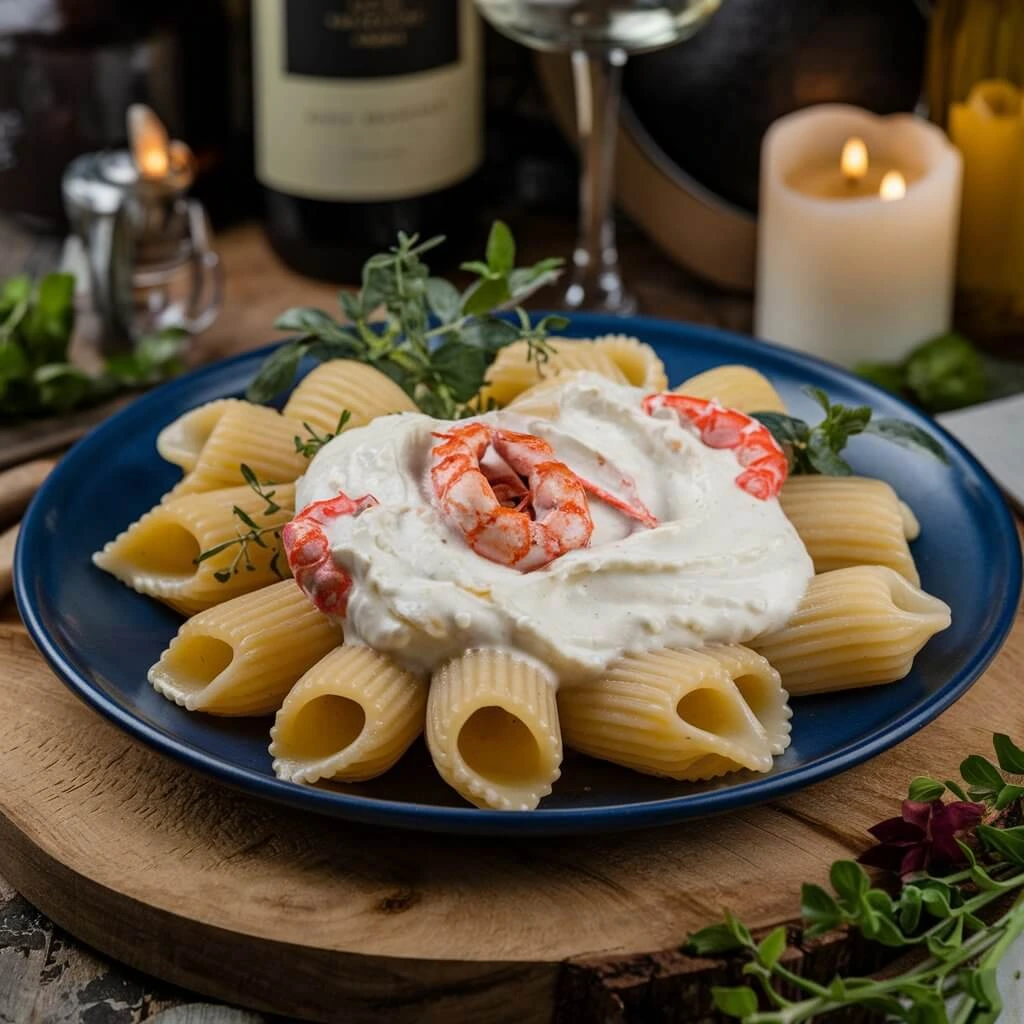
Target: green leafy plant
[[962, 919], [253, 535], [435, 341], [36, 379], [944, 373], [818, 449]]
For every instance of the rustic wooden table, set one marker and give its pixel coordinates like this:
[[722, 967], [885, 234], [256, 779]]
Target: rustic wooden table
[[47, 976]]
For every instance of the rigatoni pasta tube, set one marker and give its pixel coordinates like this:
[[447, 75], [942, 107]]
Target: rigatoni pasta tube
[[349, 718], [181, 441], [492, 729], [640, 364], [159, 554], [261, 438], [341, 384], [735, 387], [849, 520], [855, 627], [513, 371], [674, 713], [242, 657]]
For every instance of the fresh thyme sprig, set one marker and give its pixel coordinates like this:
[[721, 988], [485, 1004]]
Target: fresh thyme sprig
[[817, 449], [254, 534], [979, 847], [313, 442], [434, 341]]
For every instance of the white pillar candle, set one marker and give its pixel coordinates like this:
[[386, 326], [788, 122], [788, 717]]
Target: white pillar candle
[[859, 266]]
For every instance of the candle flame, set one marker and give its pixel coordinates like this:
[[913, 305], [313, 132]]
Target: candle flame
[[893, 186], [854, 161], [149, 142]]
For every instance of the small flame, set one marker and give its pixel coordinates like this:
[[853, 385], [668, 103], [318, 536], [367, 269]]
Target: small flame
[[149, 142], [893, 186], [854, 161]]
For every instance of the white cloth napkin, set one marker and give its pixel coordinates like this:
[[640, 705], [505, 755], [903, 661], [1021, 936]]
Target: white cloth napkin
[[994, 433]]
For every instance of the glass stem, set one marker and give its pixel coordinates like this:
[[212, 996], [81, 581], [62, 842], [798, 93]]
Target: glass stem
[[596, 283]]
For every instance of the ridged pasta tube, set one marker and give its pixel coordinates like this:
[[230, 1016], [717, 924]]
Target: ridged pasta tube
[[340, 384], [492, 729], [157, 555], [258, 436], [639, 362], [736, 387], [181, 442], [849, 520], [674, 713], [242, 657], [855, 627], [349, 718], [512, 372]]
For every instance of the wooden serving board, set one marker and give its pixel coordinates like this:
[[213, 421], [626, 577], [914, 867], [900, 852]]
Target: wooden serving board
[[312, 917]]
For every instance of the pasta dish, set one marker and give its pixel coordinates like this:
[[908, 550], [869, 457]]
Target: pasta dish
[[596, 561]]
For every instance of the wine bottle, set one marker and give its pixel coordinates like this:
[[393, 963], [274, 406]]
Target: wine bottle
[[368, 122]]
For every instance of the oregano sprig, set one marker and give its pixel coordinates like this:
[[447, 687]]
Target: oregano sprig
[[434, 340], [254, 535], [947, 914], [818, 449]]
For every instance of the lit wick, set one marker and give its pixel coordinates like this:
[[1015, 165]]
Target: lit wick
[[854, 161], [150, 145], [893, 186]]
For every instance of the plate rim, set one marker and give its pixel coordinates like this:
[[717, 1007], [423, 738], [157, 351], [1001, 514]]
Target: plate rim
[[543, 821]]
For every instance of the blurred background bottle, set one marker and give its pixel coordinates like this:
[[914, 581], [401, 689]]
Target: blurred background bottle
[[70, 68], [368, 122]]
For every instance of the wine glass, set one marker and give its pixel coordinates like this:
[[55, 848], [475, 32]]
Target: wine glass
[[600, 34]]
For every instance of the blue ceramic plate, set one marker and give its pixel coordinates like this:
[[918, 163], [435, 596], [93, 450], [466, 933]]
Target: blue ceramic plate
[[100, 637]]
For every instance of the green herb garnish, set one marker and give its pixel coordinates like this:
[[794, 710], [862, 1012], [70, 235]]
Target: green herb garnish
[[817, 449], [964, 856], [36, 378], [313, 442], [441, 367], [254, 534], [942, 374]]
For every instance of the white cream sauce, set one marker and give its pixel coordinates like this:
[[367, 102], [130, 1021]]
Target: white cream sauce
[[721, 566]]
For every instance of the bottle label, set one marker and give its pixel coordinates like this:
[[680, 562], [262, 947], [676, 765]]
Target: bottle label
[[366, 100], [369, 38]]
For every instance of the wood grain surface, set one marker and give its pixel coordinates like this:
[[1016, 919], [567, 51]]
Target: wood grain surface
[[283, 912]]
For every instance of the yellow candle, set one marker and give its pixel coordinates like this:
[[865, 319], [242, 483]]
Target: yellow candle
[[988, 129]]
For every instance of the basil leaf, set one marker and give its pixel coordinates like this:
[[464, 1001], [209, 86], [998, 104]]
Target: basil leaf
[[712, 941], [1011, 757], [823, 456], [947, 373], [490, 334], [819, 910], [444, 299], [46, 329], [906, 435], [737, 1002], [501, 249], [771, 947], [351, 305], [460, 368], [925, 790], [484, 296], [276, 374], [14, 292], [850, 882], [888, 376], [979, 771], [1008, 843], [305, 320], [785, 429], [61, 386]]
